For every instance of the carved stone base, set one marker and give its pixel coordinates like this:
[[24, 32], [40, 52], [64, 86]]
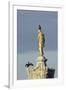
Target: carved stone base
[[39, 71]]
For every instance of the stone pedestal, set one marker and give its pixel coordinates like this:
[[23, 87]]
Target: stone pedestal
[[39, 71]]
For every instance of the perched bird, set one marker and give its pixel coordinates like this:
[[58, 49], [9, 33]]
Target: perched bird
[[45, 60], [28, 64]]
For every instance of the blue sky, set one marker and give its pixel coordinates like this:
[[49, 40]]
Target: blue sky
[[27, 27], [27, 45]]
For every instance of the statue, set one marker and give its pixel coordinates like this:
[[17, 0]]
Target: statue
[[41, 70], [41, 41]]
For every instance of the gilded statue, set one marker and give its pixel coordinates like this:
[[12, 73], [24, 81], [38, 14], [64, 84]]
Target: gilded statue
[[41, 41]]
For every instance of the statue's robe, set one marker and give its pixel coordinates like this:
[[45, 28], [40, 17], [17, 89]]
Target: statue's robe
[[41, 42]]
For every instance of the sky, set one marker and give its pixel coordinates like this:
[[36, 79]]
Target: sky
[[27, 29], [27, 41]]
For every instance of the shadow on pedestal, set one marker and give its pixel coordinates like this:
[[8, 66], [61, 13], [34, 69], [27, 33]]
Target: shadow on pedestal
[[51, 73]]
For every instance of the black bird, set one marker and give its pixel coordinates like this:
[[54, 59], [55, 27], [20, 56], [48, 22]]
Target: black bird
[[39, 27], [28, 64], [45, 60]]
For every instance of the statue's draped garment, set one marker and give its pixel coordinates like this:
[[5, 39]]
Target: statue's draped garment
[[41, 43]]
